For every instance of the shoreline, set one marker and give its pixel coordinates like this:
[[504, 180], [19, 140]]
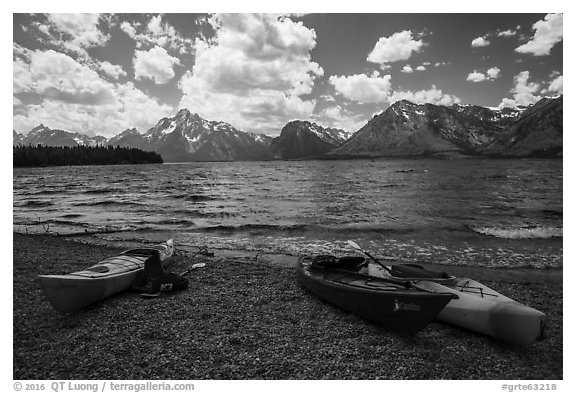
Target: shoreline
[[250, 319]]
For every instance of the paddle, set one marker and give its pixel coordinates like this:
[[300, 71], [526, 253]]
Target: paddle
[[195, 266], [355, 245]]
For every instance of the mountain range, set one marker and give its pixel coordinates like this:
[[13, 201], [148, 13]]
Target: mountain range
[[404, 129], [407, 129]]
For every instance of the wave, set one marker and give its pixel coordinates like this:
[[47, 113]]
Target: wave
[[43, 192], [199, 198], [254, 227], [348, 229], [35, 203], [520, 232], [386, 231], [107, 203], [102, 191]]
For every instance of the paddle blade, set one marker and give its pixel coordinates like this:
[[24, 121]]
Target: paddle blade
[[355, 245], [195, 266]]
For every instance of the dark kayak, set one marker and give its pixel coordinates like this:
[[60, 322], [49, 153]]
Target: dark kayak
[[394, 304]]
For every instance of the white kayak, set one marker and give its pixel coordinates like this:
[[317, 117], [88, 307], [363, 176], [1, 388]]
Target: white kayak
[[478, 307], [73, 291]]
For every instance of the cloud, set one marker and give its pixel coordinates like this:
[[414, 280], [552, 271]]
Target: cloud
[[16, 101], [157, 33], [523, 92], [253, 72], [477, 76], [128, 29], [155, 64], [75, 32], [328, 97], [507, 33], [73, 96], [155, 26], [556, 85], [22, 80], [548, 32], [375, 89], [407, 69], [132, 108], [44, 29], [480, 42], [493, 72], [431, 96], [338, 117], [113, 70], [260, 110], [399, 46], [363, 88], [59, 77]]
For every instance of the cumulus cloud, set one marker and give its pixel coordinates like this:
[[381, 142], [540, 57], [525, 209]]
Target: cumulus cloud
[[73, 96], [507, 33], [338, 117], [128, 29], [523, 92], [431, 96], [22, 80], [16, 101], [493, 72], [477, 76], [556, 85], [155, 64], [113, 70], [363, 88], [75, 32], [375, 89], [157, 32], [480, 42], [253, 72], [407, 69], [58, 76], [399, 46], [548, 32]]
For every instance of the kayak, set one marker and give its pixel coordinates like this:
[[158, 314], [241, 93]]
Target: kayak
[[477, 308], [74, 291], [390, 303]]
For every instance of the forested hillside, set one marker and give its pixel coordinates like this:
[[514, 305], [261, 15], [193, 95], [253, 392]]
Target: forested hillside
[[24, 156]]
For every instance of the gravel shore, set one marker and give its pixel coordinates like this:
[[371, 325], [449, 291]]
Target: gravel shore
[[245, 319]]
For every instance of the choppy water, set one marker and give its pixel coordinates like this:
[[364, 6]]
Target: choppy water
[[483, 212]]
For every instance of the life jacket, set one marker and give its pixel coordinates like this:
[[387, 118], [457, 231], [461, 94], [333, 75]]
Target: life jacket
[[154, 278], [331, 262]]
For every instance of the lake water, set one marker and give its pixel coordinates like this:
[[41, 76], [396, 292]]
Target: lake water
[[470, 212]]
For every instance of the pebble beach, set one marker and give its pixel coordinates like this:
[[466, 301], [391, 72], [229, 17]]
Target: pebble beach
[[248, 318]]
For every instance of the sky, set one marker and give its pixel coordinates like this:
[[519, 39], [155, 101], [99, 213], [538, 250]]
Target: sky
[[100, 74]]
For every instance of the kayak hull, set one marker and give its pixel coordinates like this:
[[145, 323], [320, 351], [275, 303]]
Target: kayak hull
[[394, 306], [490, 313], [482, 309], [74, 291]]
